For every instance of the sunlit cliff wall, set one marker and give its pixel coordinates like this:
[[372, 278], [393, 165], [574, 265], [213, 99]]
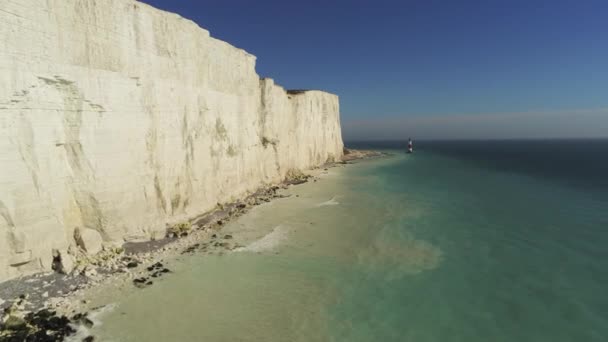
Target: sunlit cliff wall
[[121, 118]]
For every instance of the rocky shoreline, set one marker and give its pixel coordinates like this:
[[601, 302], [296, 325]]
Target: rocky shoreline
[[352, 155], [52, 306]]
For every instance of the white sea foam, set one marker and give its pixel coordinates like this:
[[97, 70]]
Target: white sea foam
[[95, 316], [332, 201], [268, 242]]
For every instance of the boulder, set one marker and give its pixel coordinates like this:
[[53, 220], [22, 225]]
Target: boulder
[[90, 272], [132, 264], [89, 240], [62, 262], [14, 322]]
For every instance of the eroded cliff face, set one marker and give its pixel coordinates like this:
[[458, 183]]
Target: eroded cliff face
[[121, 118]]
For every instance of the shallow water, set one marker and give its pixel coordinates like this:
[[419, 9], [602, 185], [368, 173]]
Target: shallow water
[[425, 247]]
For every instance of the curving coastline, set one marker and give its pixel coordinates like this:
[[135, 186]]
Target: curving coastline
[[55, 296]]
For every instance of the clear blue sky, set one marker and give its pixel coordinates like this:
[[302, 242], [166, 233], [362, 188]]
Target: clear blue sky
[[432, 69]]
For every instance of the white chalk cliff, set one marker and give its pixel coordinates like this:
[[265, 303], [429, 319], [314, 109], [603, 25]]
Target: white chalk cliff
[[117, 118]]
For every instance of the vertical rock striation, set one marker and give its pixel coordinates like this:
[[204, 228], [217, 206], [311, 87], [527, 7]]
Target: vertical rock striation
[[117, 118]]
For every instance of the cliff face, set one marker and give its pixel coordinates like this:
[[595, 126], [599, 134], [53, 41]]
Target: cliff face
[[121, 118]]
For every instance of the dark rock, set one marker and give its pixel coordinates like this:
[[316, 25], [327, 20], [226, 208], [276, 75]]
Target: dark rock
[[88, 323], [132, 264], [214, 236], [57, 323], [82, 319], [16, 336], [42, 336], [155, 266], [191, 249], [220, 222], [227, 236], [89, 339], [41, 326], [222, 244], [45, 314], [161, 272], [140, 282]]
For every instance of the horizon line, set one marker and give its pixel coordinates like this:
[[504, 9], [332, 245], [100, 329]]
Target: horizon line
[[474, 139]]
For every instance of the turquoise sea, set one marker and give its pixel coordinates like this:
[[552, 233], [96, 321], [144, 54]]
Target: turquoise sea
[[460, 241]]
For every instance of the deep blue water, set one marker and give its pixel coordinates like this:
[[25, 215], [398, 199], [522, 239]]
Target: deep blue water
[[581, 162]]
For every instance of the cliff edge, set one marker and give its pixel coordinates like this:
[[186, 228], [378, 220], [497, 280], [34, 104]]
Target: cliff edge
[[117, 118]]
